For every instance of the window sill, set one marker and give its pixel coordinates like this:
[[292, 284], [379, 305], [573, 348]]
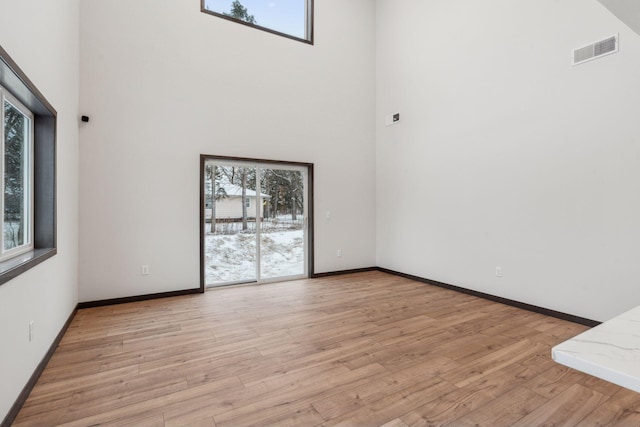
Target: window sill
[[14, 267]]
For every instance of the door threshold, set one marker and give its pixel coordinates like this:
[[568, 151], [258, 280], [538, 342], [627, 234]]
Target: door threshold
[[256, 282]]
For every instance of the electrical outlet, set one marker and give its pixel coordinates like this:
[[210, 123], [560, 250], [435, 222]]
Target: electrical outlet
[[339, 253], [498, 271], [145, 270], [31, 330]]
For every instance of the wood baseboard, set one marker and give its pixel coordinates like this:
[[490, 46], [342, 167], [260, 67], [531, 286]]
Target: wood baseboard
[[513, 303], [105, 302], [341, 272]]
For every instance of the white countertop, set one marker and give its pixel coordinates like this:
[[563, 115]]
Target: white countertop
[[610, 351]]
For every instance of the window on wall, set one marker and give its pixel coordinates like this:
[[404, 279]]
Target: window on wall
[[17, 176], [27, 173], [289, 18]]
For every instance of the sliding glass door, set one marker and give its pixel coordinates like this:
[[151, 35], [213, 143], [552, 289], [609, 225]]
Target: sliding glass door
[[255, 224]]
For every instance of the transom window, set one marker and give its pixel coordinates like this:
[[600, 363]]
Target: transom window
[[289, 18], [17, 177]]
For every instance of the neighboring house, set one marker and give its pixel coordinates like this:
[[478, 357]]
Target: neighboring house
[[230, 207]]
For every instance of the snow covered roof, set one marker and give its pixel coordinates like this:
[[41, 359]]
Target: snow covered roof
[[236, 191]]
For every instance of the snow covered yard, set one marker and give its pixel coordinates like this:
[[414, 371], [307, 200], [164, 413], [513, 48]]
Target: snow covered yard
[[232, 257]]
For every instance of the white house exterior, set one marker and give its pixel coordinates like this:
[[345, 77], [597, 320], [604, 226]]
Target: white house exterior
[[230, 207]]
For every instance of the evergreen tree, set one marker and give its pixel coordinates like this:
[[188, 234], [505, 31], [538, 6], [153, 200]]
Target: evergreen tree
[[286, 190], [240, 12]]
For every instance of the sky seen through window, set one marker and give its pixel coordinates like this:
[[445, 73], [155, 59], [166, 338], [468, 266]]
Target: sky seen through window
[[285, 16]]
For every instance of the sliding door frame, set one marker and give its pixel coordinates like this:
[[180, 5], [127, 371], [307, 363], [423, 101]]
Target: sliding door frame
[[204, 158]]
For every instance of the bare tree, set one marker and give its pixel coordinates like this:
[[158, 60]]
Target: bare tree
[[243, 174], [217, 191]]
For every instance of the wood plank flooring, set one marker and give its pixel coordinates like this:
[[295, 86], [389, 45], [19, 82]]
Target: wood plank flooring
[[366, 349]]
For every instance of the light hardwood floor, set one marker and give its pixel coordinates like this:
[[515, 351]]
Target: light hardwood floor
[[363, 349]]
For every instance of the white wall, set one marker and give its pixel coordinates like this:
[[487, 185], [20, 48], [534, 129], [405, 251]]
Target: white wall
[[506, 155], [42, 37], [163, 83]]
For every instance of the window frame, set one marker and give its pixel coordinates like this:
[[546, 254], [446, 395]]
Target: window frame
[[44, 224], [309, 22], [7, 97]]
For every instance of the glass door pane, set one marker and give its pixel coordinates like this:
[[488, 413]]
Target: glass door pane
[[255, 221], [230, 228], [283, 225]]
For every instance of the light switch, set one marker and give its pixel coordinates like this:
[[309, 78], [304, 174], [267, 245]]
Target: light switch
[[391, 119]]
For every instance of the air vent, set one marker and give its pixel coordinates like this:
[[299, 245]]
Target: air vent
[[595, 50]]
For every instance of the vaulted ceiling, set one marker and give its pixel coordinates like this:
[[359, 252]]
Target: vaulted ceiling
[[628, 11]]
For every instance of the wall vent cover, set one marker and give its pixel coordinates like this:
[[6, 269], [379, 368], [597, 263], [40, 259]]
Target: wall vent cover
[[595, 50]]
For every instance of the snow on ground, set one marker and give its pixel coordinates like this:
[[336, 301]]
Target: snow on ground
[[232, 257]]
